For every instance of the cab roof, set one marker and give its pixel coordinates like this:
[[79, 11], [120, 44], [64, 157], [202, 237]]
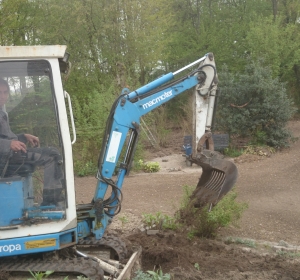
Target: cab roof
[[54, 51]]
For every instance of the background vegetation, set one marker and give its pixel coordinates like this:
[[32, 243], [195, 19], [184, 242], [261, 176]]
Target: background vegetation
[[127, 43]]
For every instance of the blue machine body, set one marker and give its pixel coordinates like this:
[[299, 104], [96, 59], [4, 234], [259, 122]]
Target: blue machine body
[[16, 205], [11, 201], [37, 244]]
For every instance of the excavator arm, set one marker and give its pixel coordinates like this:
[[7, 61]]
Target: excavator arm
[[122, 133]]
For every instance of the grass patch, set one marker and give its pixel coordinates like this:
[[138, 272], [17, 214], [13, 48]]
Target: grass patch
[[233, 152], [246, 242], [291, 255], [159, 221], [152, 275]]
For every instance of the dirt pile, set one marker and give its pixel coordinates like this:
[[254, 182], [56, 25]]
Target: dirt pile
[[212, 259]]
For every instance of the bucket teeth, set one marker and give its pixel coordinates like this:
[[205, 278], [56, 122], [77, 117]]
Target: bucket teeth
[[218, 178]]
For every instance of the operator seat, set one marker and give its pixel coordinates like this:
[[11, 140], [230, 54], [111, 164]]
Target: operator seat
[[9, 169], [22, 170]]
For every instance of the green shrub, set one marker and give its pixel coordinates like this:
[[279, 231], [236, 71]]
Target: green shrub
[[90, 124], [149, 167], [256, 105], [159, 221], [85, 168], [204, 223], [200, 222], [233, 152]]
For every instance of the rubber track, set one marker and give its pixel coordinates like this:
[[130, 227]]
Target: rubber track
[[108, 240], [77, 266]]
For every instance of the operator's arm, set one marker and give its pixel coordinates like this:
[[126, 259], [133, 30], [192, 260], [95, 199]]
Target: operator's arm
[[33, 140], [16, 146], [20, 143], [5, 139], [8, 140]]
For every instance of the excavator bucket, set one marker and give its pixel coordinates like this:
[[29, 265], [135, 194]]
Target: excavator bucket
[[218, 177]]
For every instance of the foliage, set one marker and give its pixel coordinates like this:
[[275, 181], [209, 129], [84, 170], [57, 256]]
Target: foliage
[[233, 152], [159, 221], [43, 275], [158, 120], [158, 275], [90, 119], [197, 266], [203, 222], [85, 168], [259, 150], [246, 242], [290, 255], [152, 275], [40, 275], [149, 167], [123, 220], [256, 105]]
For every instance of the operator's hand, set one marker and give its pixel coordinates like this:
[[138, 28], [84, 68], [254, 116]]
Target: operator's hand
[[33, 140], [16, 146]]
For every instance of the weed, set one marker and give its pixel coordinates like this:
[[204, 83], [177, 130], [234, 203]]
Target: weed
[[140, 275], [246, 242], [158, 275], [123, 220], [43, 275], [191, 234], [152, 275], [39, 275], [159, 221], [197, 266], [292, 255]]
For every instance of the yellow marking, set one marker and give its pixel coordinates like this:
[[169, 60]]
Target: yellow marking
[[40, 243]]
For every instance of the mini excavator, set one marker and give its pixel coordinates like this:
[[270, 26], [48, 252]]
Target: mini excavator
[[62, 236]]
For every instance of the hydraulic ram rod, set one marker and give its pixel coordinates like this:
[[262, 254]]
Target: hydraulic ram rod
[[188, 66]]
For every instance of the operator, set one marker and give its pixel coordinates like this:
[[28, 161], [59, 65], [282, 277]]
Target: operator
[[13, 150]]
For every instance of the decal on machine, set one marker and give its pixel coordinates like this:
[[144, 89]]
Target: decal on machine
[[10, 248], [113, 146], [51, 242], [157, 99]]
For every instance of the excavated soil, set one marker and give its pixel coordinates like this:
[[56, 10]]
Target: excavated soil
[[264, 246]]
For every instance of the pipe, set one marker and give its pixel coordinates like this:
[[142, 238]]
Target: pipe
[[105, 266]]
